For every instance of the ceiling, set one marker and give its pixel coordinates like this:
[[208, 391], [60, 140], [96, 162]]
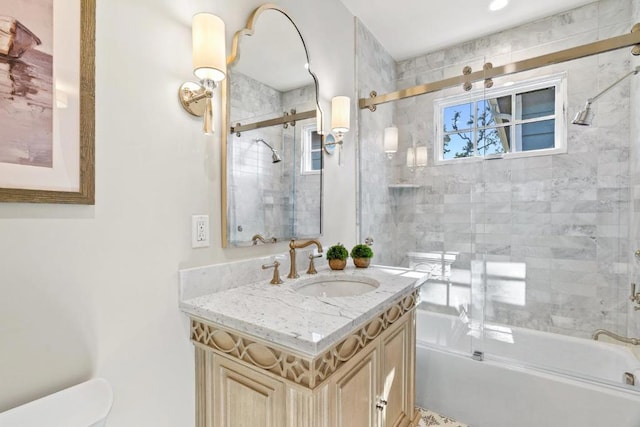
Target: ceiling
[[408, 28]]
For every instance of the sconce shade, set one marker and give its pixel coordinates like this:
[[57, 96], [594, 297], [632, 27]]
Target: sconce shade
[[390, 140], [411, 158], [209, 47], [421, 156], [417, 157], [340, 114]]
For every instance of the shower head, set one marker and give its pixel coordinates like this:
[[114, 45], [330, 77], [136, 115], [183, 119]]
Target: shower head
[[585, 116], [275, 157]]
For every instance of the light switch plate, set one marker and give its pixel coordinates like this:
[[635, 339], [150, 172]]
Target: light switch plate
[[200, 231]]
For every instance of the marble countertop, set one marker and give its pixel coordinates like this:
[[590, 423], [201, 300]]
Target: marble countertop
[[306, 324]]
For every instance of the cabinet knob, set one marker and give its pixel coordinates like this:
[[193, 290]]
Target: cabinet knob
[[381, 404]]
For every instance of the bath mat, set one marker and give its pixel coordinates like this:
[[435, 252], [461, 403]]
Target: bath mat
[[430, 418]]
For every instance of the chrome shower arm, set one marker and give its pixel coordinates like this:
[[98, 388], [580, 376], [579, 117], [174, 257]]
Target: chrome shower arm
[[265, 143], [630, 73], [274, 153]]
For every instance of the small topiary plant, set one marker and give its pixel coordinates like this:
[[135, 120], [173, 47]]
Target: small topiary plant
[[361, 251], [337, 251]]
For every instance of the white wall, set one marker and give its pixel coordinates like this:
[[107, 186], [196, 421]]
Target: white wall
[[92, 290]]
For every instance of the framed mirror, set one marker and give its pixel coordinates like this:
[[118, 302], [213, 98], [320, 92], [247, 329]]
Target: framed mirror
[[271, 149]]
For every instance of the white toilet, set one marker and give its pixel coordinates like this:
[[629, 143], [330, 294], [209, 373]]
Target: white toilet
[[83, 405]]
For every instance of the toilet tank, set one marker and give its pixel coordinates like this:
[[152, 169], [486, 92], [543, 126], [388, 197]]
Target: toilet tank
[[83, 405]]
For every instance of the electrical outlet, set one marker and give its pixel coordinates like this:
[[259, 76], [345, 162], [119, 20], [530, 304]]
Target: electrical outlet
[[200, 231]]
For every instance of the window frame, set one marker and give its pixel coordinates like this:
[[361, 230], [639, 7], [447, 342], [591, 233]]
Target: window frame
[[306, 140], [558, 81]]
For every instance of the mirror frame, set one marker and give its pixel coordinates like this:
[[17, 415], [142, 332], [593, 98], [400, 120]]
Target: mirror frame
[[227, 129]]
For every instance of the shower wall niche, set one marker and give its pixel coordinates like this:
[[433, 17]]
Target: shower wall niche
[[541, 242]]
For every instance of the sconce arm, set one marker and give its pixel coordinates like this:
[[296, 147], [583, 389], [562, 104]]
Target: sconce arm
[[197, 97], [191, 94]]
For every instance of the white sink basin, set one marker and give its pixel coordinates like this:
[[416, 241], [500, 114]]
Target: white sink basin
[[347, 286]]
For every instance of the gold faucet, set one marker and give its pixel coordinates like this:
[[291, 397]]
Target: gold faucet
[[627, 340], [293, 245], [259, 237]]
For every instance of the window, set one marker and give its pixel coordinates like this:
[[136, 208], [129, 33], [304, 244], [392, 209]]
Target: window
[[311, 150], [520, 120]]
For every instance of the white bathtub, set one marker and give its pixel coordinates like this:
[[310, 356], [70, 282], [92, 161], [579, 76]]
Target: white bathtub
[[527, 378]]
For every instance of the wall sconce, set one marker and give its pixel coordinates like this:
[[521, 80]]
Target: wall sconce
[[209, 66], [340, 116], [340, 122], [390, 141], [416, 157]]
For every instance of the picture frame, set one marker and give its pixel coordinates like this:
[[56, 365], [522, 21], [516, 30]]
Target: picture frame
[[84, 146]]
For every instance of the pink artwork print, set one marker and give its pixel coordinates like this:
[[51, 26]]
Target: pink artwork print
[[26, 82]]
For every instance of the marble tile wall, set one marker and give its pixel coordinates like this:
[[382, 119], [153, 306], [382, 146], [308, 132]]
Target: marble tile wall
[[262, 191], [554, 230], [258, 188], [375, 71], [307, 197]]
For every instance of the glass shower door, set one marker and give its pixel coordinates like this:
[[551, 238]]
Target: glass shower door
[[553, 240]]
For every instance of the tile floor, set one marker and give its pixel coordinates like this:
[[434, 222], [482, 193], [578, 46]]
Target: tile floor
[[430, 418]]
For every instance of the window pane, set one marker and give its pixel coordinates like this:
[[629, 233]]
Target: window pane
[[494, 140], [494, 111], [537, 103], [316, 160], [457, 145], [537, 135], [458, 117], [316, 141]]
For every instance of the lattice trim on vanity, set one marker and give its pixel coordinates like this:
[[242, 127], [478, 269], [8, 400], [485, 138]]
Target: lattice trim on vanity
[[300, 370], [341, 353], [276, 361]]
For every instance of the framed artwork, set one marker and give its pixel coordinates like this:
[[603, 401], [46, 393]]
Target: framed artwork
[[47, 101]]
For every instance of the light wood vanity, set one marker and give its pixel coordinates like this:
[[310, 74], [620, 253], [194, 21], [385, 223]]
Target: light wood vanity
[[364, 379]]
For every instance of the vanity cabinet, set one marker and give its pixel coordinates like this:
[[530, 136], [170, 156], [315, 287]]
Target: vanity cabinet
[[377, 388], [365, 380], [246, 397]]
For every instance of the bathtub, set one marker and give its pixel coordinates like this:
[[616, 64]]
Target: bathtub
[[527, 378]]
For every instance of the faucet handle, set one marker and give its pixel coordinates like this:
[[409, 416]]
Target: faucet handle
[[275, 280], [260, 238], [312, 267]]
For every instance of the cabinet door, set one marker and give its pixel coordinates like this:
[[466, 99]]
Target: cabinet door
[[243, 397], [355, 392], [396, 380]]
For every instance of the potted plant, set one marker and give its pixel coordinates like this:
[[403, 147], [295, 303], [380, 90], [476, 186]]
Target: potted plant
[[361, 255], [337, 256]]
